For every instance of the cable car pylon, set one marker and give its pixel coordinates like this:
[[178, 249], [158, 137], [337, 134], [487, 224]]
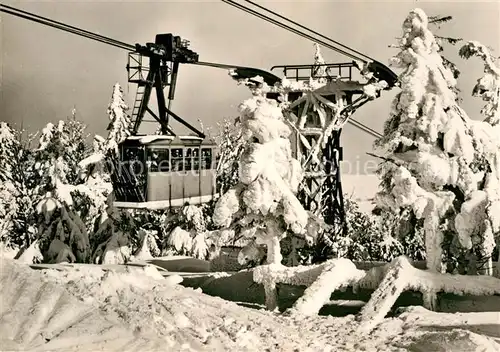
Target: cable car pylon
[[191, 158], [316, 121]]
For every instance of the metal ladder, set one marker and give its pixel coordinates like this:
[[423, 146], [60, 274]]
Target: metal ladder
[[141, 88]]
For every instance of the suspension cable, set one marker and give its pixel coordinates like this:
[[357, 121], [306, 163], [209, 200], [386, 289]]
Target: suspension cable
[[364, 128], [308, 29], [291, 29], [65, 27], [352, 121]]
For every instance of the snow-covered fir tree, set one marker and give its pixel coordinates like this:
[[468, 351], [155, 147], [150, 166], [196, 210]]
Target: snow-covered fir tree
[[119, 130], [440, 157], [263, 204], [119, 124], [16, 197], [97, 167], [112, 238], [72, 202], [11, 146], [61, 228]]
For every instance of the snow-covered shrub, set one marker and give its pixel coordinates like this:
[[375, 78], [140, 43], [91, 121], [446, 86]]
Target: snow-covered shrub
[[74, 206], [176, 231], [50, 201], [380, 237], [179, 242], [439, 160], [404, 227], [148, 247], [186, 231]]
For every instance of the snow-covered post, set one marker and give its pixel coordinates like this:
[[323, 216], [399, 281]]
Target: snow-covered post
[[429, 139], [263, 203]]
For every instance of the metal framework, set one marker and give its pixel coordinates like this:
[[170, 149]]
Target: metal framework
[[317, 120], [164, 55], [341, 71]]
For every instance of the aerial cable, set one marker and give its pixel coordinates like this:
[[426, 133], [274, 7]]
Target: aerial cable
[[64, 27], [260, 15], [308, 29], [293, 30], [365, 128], [266, 18], [60, 25], [376, 135]]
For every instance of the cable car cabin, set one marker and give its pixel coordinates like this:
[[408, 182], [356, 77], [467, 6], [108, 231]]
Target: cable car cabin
[[158, 172]]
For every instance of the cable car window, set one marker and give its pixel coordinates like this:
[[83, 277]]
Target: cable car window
[[133, 158], [177, 159], [158, 160], [188, 159], [206, 158], [164, 160], [196, 159]]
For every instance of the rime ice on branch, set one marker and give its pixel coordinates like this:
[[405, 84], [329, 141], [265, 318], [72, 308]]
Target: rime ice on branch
[[441, 157], [488, 86], [263, 203]]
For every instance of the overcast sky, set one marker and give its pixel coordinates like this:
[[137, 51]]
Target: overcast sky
[[45, 72]]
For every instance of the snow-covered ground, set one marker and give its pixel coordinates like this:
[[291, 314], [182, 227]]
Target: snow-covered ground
[[137, 309]]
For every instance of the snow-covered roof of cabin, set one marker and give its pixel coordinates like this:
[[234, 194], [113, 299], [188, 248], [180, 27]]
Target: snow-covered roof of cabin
[[144, 139], [190, 137], [147, 139]]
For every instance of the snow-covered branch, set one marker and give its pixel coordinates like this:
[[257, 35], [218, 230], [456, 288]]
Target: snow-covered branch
[[388, 281], [488, 86]]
